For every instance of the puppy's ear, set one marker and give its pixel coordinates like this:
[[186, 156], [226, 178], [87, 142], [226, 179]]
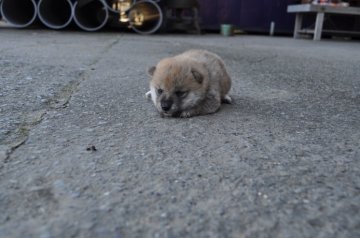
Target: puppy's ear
[[197, 76], [151, 70]]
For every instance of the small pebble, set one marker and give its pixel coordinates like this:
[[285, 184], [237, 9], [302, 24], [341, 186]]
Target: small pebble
[[91, 148]]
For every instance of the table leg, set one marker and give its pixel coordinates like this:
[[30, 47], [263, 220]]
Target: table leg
[[298, 23], [318, 25]]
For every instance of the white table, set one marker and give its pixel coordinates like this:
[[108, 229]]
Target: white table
[[320, 11]]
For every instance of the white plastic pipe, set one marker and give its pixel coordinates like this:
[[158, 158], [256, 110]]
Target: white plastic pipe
[[55, 14], [19, 13], [90, 15], [146, 17]]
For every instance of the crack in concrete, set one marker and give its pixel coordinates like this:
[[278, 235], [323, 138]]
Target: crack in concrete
[[22, 134], [61, 100]]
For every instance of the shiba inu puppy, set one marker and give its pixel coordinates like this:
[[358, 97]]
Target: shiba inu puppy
[[193, 83]]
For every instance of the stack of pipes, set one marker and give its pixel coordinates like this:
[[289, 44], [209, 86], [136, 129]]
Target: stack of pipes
[[144, 16]]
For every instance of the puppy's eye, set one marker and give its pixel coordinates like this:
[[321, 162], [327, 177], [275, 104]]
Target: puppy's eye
[[181, 94], [159, 91]]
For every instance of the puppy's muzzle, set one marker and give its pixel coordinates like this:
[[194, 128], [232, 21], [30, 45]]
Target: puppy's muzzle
[[166, 105]]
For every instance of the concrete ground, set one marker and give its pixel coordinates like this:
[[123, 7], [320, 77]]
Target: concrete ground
[[84, 154]]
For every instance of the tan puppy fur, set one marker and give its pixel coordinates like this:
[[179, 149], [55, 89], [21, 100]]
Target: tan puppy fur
[[192, 83]]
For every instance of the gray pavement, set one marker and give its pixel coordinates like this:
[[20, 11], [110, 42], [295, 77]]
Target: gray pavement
[[281, 161]]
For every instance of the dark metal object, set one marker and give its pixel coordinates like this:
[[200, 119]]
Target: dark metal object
[[55, 14], [182, 15], [19, 13]]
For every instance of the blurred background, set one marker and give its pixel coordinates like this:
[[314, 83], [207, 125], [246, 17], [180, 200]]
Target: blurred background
[[159, 16]]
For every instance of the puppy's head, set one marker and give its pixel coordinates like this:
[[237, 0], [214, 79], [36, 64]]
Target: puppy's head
[[177, 86]]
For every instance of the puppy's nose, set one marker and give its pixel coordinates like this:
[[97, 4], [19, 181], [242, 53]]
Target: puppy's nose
[[166, 105]]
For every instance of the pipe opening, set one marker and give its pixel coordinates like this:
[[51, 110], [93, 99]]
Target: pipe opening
[[20, 13], [145, 17], [91, 16], [55, 14]]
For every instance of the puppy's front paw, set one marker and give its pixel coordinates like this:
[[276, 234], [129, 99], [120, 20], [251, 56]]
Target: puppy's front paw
[[227, 99], [185, 114], [148, 95]]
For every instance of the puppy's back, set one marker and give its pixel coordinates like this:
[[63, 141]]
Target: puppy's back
[[215, 66]]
